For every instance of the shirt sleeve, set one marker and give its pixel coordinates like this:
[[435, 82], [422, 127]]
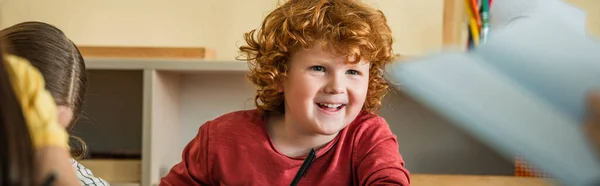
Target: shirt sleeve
[[85, 176], [379, 160], [37, 104], [194, 168]]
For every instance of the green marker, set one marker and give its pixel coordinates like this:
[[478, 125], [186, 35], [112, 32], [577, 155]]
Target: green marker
[[485, 21]]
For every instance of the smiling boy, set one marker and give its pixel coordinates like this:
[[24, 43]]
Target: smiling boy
[[317, 65]]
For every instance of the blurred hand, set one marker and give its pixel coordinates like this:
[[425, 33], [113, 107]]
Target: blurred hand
[[592, 124]]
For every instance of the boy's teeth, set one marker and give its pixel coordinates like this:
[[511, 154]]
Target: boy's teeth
[[330, 105]]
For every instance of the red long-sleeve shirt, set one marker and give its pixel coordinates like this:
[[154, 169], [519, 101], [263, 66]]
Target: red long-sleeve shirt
[[235, 149]]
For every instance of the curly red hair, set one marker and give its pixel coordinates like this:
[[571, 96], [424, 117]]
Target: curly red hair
[[345, 27]]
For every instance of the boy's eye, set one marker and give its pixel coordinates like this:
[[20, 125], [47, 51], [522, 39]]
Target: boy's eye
[[317, 68], [353, 72]]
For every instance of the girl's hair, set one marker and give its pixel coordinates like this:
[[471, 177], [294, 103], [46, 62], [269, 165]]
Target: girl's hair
[[60, 62], [344, 27], [17, 165]]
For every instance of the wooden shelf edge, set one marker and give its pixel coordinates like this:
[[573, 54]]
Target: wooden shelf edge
[[147, 52], [164, 64]]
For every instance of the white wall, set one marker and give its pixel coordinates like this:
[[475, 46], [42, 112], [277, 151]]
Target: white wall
[[217, 24]]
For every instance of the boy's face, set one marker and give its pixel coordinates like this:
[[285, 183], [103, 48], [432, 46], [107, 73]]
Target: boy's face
[[323, 93]]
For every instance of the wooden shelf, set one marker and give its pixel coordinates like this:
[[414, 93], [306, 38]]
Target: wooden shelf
[[94, 63], [147, 52]]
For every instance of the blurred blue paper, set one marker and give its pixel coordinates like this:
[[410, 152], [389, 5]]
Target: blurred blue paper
[[522, 92], [506, 12]]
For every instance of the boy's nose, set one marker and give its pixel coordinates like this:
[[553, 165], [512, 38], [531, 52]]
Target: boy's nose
[[335, 86], [334, 90]]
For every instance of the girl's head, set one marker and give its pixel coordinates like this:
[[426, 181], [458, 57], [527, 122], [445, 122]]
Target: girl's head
[[320, 62], [17, 165], [57, 58]]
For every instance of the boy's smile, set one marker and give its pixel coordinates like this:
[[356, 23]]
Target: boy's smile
[[330, 108], [323, 93]]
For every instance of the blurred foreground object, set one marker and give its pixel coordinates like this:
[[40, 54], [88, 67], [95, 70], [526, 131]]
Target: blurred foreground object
[[592, 124], [523, 91]]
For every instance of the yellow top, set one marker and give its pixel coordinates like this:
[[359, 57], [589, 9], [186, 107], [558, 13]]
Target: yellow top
[[37, 103]]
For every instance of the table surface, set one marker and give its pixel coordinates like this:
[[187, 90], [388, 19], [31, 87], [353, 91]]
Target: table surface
[[476, 180]]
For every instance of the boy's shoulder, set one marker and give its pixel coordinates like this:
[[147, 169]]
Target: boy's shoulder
[[366, 119], [369, 125], [240, 120], [251, 115]]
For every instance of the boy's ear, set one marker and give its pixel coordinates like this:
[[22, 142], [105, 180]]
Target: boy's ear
[[280, 87], [280, 84]]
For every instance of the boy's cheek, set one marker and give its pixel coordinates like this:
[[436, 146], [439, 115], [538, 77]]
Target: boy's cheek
[[361, 87]]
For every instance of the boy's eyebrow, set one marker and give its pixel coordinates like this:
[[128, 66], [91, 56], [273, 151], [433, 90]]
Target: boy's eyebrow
[[360, 63]]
